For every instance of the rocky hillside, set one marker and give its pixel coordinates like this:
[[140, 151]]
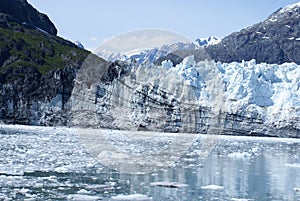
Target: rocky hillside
[[275, 40], [21, 11], [37, 68]]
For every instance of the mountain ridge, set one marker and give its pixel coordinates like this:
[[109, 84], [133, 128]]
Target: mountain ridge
[[274, 40], [152, 54], [21, 11]]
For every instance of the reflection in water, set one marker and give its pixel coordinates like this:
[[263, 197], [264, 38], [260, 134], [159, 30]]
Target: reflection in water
[[47, 163]]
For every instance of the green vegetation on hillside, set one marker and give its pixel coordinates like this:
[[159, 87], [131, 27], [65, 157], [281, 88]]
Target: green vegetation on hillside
[[34, 48]]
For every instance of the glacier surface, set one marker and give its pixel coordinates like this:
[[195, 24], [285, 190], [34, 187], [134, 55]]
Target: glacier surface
[[205, 97]]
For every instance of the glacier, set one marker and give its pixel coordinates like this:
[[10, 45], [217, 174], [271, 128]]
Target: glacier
[[243, 98]]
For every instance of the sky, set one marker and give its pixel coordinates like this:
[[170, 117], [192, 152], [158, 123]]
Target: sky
[[94, 21]]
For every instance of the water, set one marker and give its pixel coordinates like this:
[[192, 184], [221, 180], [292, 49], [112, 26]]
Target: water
[[51, 164]]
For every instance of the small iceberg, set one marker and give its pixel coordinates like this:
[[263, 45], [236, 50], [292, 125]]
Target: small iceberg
[[212, 187], [239, 155], [83, 197], [293, 165], [133, 197], [168, 184], [297, 190]]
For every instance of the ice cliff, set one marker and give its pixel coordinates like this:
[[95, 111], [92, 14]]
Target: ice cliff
[[206, 97]]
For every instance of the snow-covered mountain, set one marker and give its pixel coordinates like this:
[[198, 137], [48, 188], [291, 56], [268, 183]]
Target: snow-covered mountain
[[211, 40], [288, 9], [151, 55], [274, 40], [147, 55]]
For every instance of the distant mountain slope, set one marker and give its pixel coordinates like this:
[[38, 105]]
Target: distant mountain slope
[[151, 55], [275, 40], [148, 55]]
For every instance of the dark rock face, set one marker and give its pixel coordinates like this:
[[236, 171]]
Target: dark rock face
[[22, 12], [4, 54], [26, 95], [275, 40], [37, 69]]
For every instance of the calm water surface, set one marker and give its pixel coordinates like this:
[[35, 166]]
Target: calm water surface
[[51, 164]]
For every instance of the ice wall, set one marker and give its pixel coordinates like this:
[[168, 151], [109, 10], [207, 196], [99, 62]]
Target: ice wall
[[206, 97]]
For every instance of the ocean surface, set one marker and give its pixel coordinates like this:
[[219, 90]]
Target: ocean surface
[[39, 163]]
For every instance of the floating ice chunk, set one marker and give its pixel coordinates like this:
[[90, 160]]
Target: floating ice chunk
[[83, 197], [190, 159], [83, 191], [240, 199], [61, 169], [24, 191], [212, 187], [297, 189], [168, 184], [293, 165], [239, 155], [132, 197]]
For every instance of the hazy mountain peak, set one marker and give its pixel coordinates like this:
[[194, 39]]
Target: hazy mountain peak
[[211, 40]]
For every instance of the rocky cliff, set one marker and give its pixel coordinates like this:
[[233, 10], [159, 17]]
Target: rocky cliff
[[37, 68], [22, 12]]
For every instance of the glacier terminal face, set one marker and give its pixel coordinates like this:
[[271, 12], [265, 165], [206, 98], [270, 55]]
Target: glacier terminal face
[[191, 97], [243, 98]]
